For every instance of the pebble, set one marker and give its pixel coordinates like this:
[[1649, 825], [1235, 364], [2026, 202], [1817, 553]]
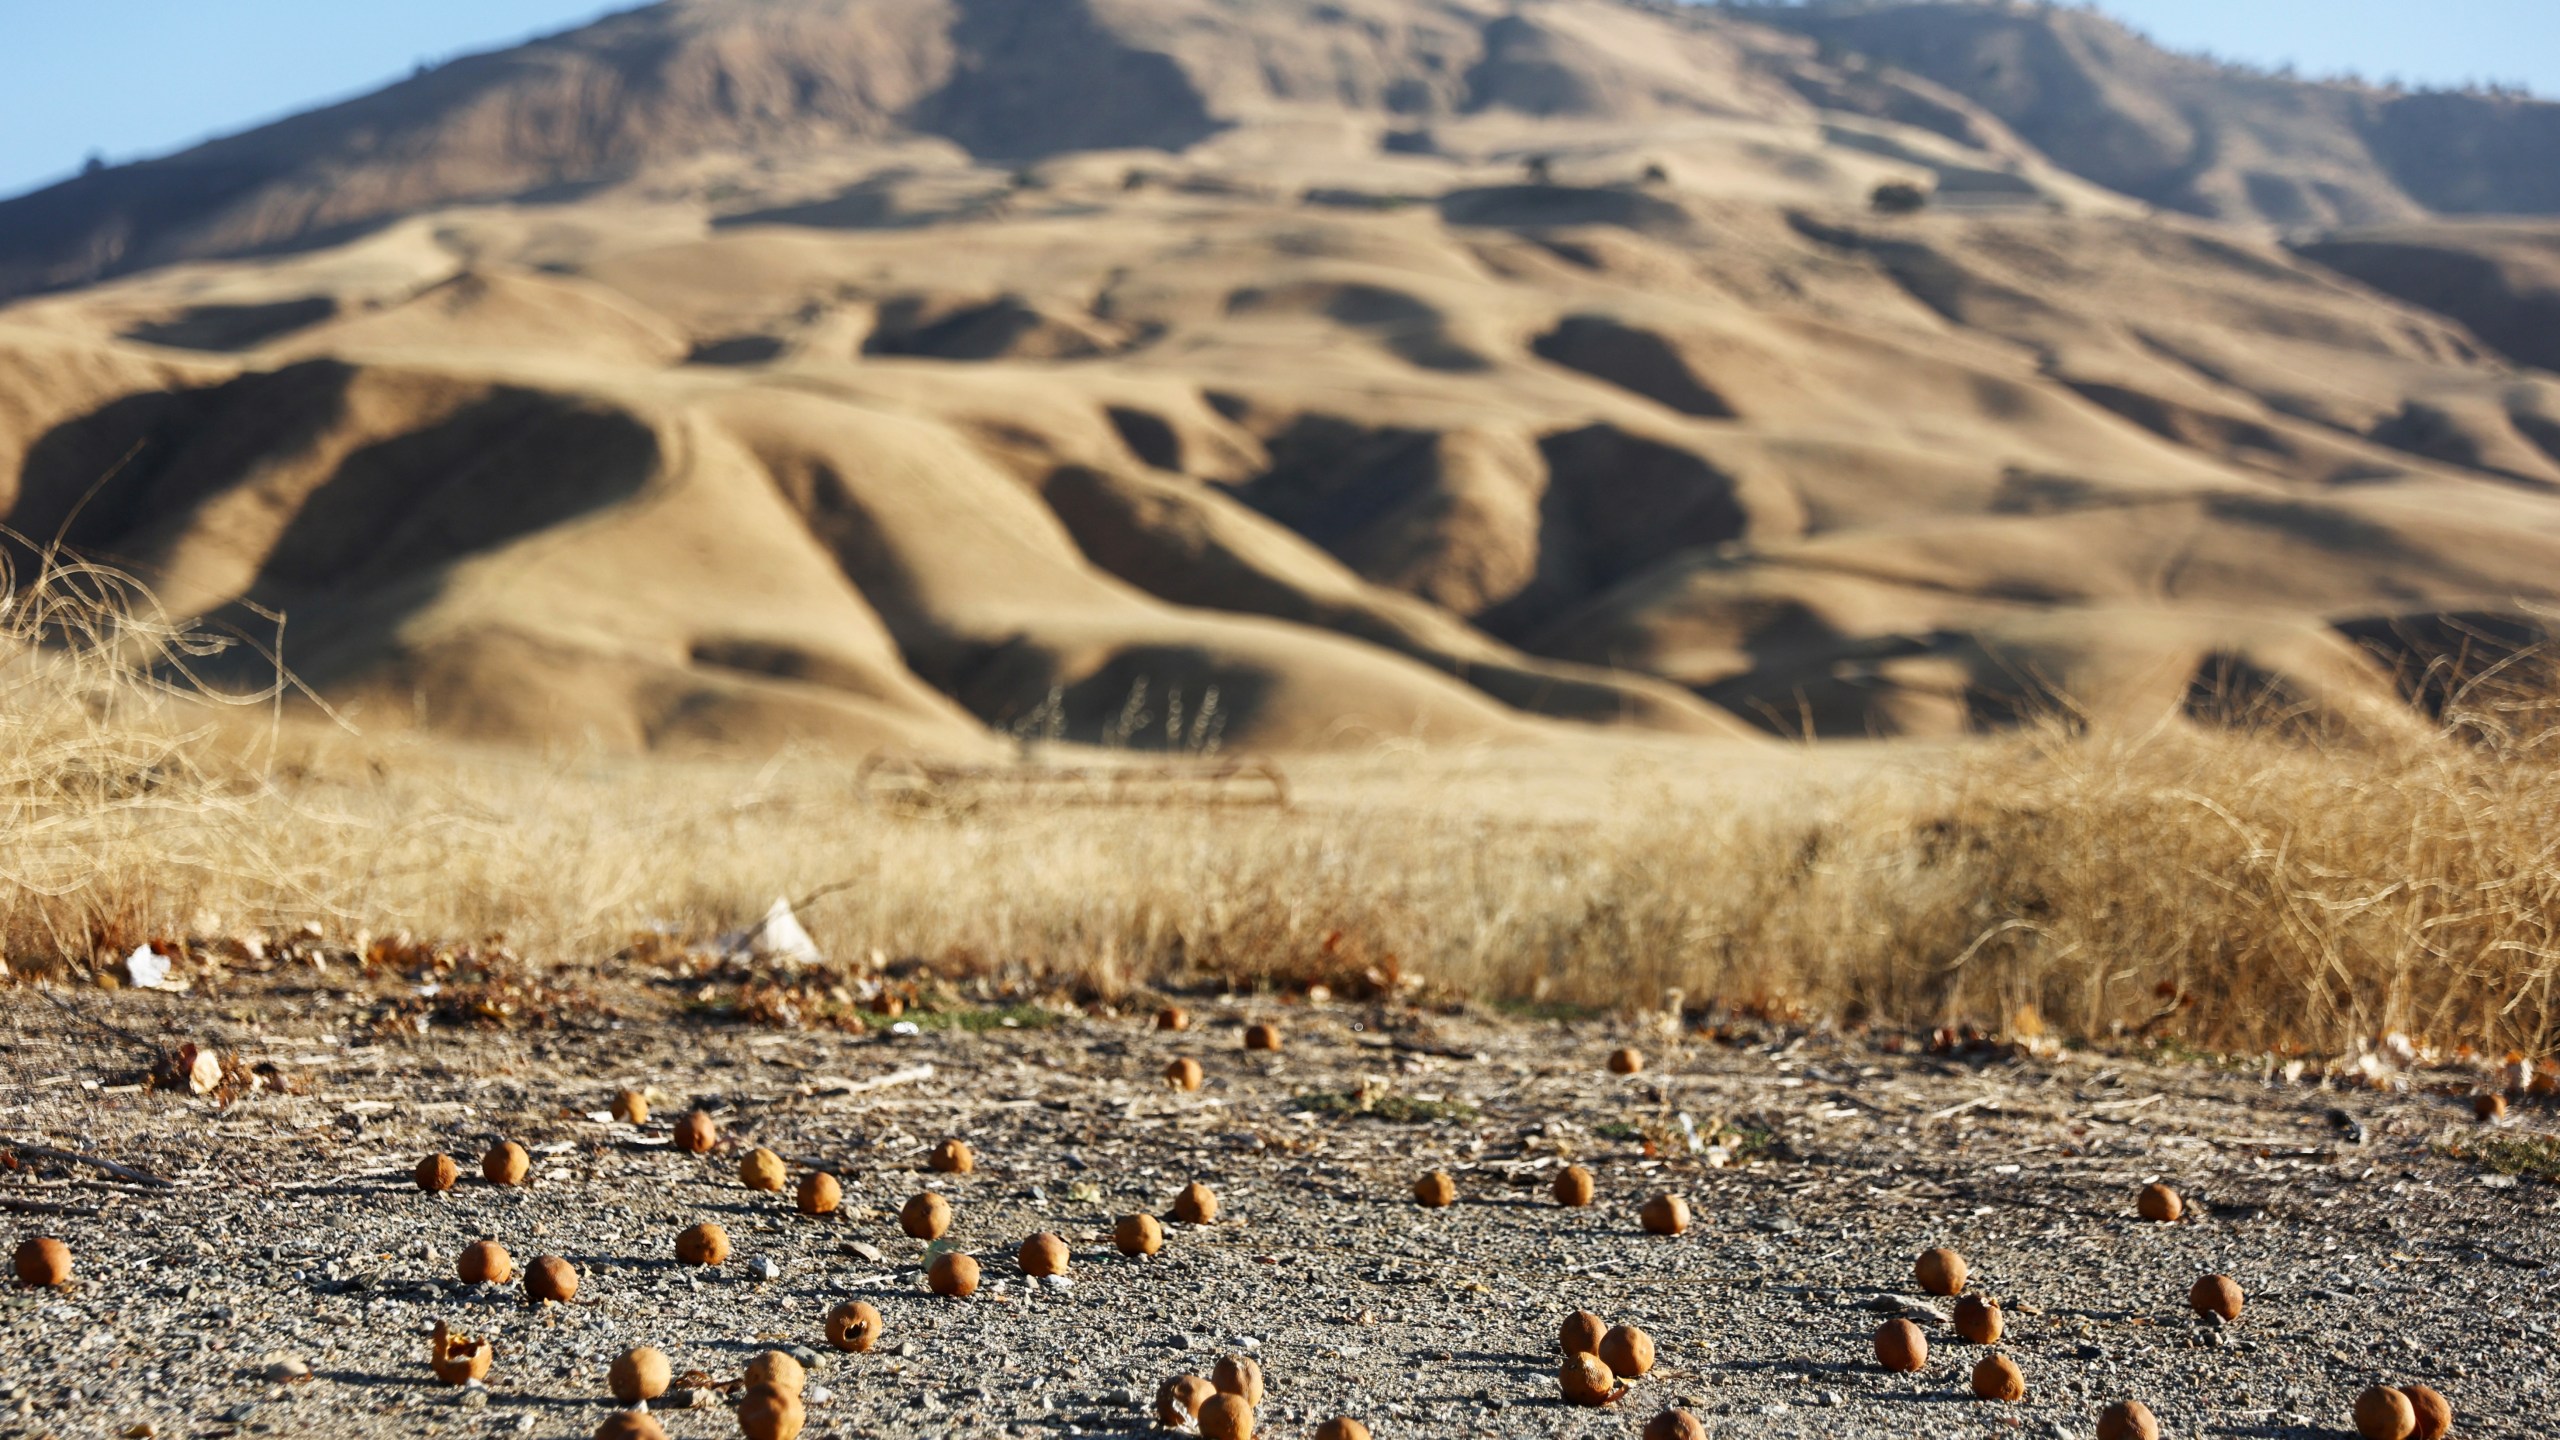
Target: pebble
[[475, 1396], [764, 1267], [817, 1395]]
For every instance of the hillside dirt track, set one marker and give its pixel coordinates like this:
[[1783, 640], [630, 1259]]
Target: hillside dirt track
[[293, 1228]]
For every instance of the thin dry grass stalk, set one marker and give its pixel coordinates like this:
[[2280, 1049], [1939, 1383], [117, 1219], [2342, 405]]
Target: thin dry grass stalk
[[2235, 889]]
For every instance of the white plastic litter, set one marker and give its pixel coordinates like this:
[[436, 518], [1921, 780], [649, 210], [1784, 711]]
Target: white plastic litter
[[778, 936], [147, 969]]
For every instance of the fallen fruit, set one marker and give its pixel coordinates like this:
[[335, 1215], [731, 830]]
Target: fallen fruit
[[953, 1274], [765, 1413], [926, 1216], [761, 1171], [2128, 1420], [1900, 1346], [2159, 1202], [485, 1262], [695, 1134], [458, 1359], [1262, 1037], [1674, 1425], [1137, 1235], [43, 1262], [550, 1280], [1627, 1351], [638, 1375], [2383, 1413], [2217, 1295], [1626, 1062], [1342, 1427], [1587, 1380], [953, 1157], [1173, 1017], [505, 1164], [1941, 1271], [1435, 1191], [703, 1244], [1226, 1417], [1666, 1215], [819, 1193], [630, 1425], [853, 1326], [437, 1173], [2434, 1412], [1979, 1320], [1573, 1186], [1583, 1332], [1238, 1375], [631, 1107], [1180, 1398], [2489, 1108], [1196, 1205], [1184, 1074], [777, 1369], [1042, 1254], [1998, 1378]]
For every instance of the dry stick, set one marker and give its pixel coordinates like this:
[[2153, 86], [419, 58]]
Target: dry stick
[[47, 1207], [833, 1088], [94, 1023], [121, 1172]]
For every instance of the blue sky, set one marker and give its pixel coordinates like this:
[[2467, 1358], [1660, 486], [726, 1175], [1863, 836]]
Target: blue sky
[[130, 78]]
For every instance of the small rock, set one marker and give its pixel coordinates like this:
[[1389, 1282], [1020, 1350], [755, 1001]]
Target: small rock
[[867, 1253], [809, 1359], [475, 1396], [817, 1395], [239, 1414], [287, 1370], [1829, 1397], [764, 1267]]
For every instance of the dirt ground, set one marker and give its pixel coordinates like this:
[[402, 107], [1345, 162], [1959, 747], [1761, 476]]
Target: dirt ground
[[1821, 1166]]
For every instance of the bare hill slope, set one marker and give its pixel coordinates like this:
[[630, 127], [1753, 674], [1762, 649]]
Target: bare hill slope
[[2202, 137], [736, 372]]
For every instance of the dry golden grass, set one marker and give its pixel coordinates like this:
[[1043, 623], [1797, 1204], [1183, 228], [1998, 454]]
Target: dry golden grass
[[2233, 890]]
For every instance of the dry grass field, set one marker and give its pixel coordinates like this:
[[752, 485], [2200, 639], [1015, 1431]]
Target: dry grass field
[[2251, 888]]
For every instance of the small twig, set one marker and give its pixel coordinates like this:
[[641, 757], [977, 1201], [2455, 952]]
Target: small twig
[[835, 1087], [74, 1157], [76, 1013], [1953, 1111], [46, 1207]]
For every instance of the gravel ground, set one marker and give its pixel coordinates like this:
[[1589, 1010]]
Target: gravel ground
[[293, 1231]]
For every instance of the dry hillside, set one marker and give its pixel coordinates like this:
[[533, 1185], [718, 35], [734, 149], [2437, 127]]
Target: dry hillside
[[921, 373]]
